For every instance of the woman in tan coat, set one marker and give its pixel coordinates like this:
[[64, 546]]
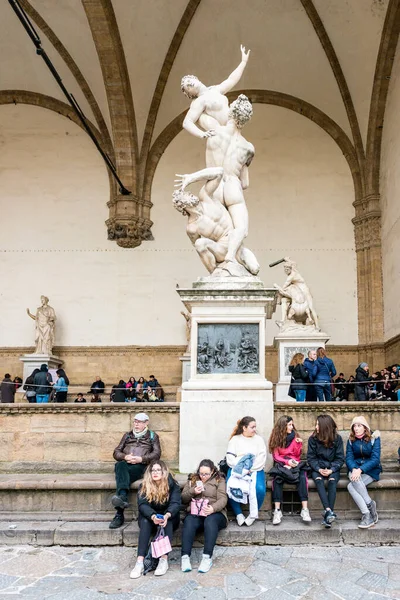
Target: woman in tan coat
[[206, 499]]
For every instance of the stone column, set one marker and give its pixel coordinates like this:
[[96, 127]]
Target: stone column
[[367, 230]]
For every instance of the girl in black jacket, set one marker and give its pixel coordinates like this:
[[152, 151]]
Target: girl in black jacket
[[325, 456], [159, 495], [299, 377]]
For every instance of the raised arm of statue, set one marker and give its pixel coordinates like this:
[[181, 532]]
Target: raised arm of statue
[[234, 78], [193, 115], [30, 314]]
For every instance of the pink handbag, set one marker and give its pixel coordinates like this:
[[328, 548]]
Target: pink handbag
[[197, 506], [161, 544]]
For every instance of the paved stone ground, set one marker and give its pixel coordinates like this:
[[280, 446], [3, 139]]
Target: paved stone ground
[[265, 573]]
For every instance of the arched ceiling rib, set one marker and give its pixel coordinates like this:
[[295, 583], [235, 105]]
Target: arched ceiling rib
[[339, 76], [286, 55], [52, 38], [354, 28]]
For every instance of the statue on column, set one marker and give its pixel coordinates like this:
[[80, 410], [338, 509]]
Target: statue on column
[[296, 300], [228, 151], [45, 320]]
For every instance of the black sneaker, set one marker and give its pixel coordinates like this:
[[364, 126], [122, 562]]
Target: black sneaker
[[366, 521], [328, 519], [119, 501], [372, 511], [117, 521]]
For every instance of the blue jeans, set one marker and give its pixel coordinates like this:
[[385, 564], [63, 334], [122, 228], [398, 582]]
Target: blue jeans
[[260, 493], [42, 399], [323, 392], [300, 395]]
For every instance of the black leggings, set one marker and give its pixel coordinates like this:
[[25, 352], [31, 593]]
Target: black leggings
[[211, 525], [302, 488], [60, 397], [148, 530], [327, 499]]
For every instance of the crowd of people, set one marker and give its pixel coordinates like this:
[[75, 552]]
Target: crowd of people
[[44, 385], [313, 379], [238, 480]]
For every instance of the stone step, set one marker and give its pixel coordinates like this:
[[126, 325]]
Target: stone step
[[65, 495], [291, 532]]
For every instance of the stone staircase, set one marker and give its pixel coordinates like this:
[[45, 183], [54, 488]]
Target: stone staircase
[[75, 509]]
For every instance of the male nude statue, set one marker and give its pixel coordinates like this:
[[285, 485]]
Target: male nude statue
[[211, 100], [231, 151], [209, 225], [296, 298]]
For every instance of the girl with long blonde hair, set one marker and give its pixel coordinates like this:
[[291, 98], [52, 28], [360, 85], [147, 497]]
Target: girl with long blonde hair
[[159, 502]]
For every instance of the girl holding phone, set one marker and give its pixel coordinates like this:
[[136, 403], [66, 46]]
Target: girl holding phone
[[159, 502]]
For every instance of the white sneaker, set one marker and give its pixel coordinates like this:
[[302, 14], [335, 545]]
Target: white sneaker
[[305, 515], [162, 567], [185, 564], [249, 521], [240, 519], [137, 571], [277, 517], [206, 564]]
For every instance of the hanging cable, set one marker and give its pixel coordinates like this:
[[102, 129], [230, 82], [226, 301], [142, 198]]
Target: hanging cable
[[31, 31]]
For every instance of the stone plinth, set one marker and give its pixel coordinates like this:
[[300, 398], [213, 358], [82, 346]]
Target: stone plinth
[[227, 374], [288, 344], [185, 360], [33, 361]]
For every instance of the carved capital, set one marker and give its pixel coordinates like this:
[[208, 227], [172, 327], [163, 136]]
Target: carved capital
[[367, 231], [129, 232]]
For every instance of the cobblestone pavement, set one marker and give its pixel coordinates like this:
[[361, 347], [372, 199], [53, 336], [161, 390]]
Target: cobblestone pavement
[[262, 572]]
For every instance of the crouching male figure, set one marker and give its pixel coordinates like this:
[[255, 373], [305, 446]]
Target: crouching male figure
[[134, 452]]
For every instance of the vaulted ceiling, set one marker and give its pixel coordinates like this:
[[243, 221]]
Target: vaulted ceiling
[[123, 60]]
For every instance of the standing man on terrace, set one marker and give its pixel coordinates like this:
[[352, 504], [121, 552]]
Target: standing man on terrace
[[134, 452]]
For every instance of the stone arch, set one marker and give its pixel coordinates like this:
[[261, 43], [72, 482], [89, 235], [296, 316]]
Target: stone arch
[[264, 97]]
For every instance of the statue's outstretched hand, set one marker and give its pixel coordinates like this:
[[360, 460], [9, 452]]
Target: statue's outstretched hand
[[182, 181], [245, 55]]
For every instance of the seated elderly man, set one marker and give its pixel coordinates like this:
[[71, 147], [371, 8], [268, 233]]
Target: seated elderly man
[[134, 452]]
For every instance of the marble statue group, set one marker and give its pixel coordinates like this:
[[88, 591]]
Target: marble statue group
[[218, 217]]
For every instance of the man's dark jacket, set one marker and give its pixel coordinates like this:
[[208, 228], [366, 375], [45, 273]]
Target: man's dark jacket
[[7, 389], [148, 447]]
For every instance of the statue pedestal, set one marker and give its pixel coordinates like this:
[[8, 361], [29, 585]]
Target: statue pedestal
[[288, 344], [33, 361], [227, 365]]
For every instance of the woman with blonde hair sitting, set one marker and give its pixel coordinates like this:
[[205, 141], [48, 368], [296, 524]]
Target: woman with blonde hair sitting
[[159, 503], [300, 376], [206, 499], [246, 456]]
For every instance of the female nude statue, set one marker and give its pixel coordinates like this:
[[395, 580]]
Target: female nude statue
[[210, 100], [45, 325]]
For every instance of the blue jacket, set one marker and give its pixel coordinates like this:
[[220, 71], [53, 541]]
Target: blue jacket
[[323, 370], [365, 456], [60, 385], [246, 463], [309, 365]]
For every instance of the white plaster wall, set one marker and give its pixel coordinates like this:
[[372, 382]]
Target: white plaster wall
[[53, 194], [390, 201]]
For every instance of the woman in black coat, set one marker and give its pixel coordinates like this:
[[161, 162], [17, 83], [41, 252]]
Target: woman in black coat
[[325, 456], [159, 503], [299, 377], [362, 381]]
